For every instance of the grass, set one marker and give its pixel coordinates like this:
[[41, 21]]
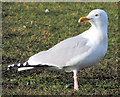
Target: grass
[[27, 30]]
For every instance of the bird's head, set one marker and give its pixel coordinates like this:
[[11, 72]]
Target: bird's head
[[96, 17]]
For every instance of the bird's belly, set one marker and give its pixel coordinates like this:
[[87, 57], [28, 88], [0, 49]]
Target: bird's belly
[[87, 59]]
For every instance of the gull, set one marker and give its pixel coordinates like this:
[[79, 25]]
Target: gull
[[78, 52]]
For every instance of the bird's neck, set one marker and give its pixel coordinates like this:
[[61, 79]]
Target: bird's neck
[[99, 33], [96, 34], [100, 30]]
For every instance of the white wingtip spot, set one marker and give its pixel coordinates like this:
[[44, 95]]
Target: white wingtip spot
[[24, 64], [8, 66], [12, 65], [18, 64]]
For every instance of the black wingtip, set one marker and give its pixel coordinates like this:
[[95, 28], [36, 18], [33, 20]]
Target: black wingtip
[[12, 66], [17, 65]]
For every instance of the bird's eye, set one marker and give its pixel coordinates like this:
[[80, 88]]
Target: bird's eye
[[96, 15]]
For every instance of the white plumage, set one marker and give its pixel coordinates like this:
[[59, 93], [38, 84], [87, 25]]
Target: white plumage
[[77, 52]]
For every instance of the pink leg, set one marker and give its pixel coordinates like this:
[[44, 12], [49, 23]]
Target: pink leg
[[75, 80]]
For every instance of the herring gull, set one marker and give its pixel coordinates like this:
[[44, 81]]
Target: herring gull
[[73, 54]]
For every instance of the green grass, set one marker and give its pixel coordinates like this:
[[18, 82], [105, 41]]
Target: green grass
[[27, 30]]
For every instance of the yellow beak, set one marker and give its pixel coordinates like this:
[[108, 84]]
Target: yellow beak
[[82, 19]]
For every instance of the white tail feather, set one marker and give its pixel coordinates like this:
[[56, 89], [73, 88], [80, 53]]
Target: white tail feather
[[24, 68]]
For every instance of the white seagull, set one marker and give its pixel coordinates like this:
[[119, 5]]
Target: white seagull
[[73, 54]]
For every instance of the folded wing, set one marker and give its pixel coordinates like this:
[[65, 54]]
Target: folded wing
[[61, 53]]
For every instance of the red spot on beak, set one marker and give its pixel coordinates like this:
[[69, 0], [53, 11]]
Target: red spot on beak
[[82, 19]]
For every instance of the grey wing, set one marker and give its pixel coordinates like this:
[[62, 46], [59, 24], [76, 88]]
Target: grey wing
[[61, 53]]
